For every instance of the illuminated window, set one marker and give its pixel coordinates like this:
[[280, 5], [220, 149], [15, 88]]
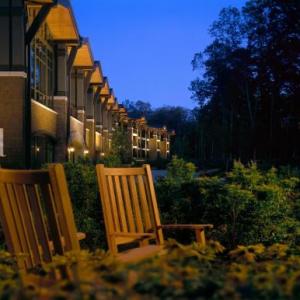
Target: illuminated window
[[42, 67]]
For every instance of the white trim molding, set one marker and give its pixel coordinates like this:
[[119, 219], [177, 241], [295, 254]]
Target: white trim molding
[[91, 120], [2, 142], [60, 98], [13, 74], [43, 106]]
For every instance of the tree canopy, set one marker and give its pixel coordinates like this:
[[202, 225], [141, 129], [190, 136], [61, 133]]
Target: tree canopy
[[249, 88]]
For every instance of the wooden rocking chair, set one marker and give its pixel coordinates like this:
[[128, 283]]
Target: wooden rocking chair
[[131, 213], [36, 216]]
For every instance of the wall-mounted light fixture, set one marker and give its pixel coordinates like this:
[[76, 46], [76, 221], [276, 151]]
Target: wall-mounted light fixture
[[71, 149]]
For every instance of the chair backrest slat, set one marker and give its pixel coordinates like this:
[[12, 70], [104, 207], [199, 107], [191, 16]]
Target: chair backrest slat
[[19, 222], [128, 204], [144, 203], [113, 204], [36, 215], [149, 178], [127, 196], [30, 231], [106, 207], [62, 202], [136, 206], [120, 203], [53, 218], [8, 223]]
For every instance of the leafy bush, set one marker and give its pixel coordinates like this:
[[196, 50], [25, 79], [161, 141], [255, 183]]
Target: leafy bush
[[111, 160], [246, 206], [253, 272], [82, 183], [121, 146], [179, 171]]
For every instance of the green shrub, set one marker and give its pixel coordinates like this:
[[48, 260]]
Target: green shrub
[[246, 206], [82, 183], [253, 272], [111, 160], [179, 171]]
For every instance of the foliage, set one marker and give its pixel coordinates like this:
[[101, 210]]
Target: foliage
[[248, 88], [120, 150], [182, 272], [83, 189], [180, 171], [111, 160], [246, 206], [137, 109], [121, 147]]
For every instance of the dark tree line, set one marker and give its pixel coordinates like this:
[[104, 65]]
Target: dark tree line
[[249, 89]]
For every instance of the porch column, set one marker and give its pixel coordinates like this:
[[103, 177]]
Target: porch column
[[60, 103]]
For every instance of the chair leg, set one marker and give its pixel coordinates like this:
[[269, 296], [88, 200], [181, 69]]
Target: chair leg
[[200, 237]]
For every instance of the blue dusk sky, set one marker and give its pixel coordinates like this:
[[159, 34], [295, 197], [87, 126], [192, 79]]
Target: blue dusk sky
[[146, 46]]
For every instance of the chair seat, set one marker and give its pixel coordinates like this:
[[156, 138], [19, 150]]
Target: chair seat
[[137, 254]]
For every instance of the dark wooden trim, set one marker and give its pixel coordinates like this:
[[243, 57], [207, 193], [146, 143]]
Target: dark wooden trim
[[27, 113], [68, 42], [71, 59], [10, 35], [84, 68], [13, 68], [38, 21], [88, 79], [97, 94]]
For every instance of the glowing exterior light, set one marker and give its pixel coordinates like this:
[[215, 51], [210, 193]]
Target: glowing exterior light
[[71, 149]]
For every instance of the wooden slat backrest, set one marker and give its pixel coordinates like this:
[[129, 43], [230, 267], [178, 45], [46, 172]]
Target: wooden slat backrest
[[129, 205], [63, 206], [32, 217]]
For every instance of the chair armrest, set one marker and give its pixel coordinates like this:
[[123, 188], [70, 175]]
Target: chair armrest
[[186, 226], [198, 228], [81, 236], [133, 234]]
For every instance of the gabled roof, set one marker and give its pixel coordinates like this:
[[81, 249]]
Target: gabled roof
[[105, 91], [97, 76], [111, 99], [61, 21], [116, 107], [84, 57]]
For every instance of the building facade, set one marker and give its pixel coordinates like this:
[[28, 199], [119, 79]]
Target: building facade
[[55, 103]]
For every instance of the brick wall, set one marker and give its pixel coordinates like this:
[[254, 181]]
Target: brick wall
[[12, 98]]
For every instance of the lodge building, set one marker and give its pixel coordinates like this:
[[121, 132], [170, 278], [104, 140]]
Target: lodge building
[[55, 102]]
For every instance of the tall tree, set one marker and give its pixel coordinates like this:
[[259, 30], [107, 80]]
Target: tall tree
[[250, 85]]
